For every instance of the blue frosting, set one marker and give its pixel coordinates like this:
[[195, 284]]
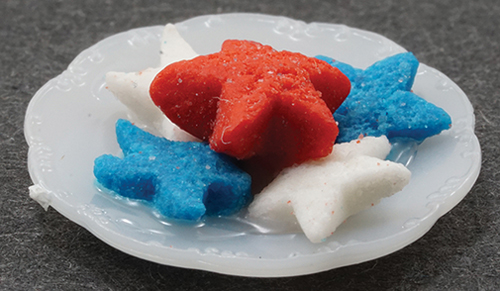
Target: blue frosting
[[381, 102], [183, 180]]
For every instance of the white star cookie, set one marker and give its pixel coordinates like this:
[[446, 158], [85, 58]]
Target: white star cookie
[[320, 195], [132, 89]]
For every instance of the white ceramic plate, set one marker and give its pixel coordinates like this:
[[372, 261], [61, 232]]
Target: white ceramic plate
[[70, 121]]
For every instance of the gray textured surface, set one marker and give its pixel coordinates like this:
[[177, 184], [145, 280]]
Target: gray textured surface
[[44, 251]]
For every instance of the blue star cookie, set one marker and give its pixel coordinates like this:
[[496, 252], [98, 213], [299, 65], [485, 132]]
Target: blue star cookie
[[182, 180], [381, 102]]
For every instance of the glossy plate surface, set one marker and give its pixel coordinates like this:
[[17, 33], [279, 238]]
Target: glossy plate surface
[[70, 121]]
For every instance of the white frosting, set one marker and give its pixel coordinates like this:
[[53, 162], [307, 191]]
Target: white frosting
[[320, 195]]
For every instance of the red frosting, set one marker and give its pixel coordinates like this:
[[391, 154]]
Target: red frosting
[[249, 100]]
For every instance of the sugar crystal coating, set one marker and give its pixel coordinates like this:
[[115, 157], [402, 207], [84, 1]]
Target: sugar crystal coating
[[321, 195], [381, 102], [249, 100], [183, 180]]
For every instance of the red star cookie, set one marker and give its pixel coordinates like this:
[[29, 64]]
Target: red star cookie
[[249, 100]]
